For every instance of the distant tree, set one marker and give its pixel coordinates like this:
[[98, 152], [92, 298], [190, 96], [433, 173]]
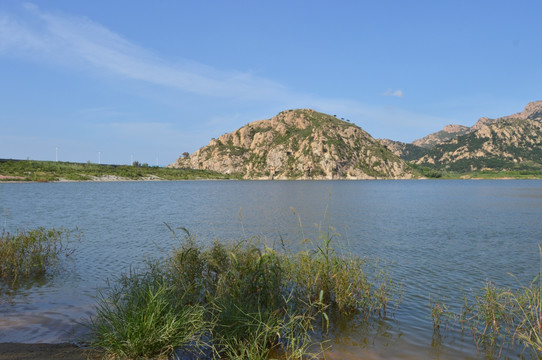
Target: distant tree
[[186, 154], [136, 164]]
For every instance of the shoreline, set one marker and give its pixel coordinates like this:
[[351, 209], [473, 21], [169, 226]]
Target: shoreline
[[47, 351], [166, 180]]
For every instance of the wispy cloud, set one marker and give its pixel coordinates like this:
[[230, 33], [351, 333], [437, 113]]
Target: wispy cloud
[[78, 41], [61, 37], [396, 93]]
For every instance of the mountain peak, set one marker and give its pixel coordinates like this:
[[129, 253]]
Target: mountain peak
[[533, 110], [300, 143]]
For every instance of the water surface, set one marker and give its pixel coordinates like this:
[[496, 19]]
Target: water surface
[[441, 238]]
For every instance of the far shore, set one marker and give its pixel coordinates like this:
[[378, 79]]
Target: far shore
[[8, 180]]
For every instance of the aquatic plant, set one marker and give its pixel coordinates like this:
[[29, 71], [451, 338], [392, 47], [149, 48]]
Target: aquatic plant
[[440, 313], [247, 300], [243, 287], [490, 318], [139, 318], [499, 318], [32, 253]]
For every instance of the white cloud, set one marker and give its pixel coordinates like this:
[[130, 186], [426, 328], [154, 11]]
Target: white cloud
[[396, 93], [64, 38], [81, 42]]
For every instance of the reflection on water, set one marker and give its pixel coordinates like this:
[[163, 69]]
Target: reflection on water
[[440, 238]]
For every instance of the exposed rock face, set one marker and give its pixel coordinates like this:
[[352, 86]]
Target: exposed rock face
[[298, 144], [447, 133], [508, 142], [405, 151], [533, 111]]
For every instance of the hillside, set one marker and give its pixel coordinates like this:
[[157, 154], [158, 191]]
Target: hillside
[[511, 142], [405, 151], [506, 144], [298, 144], [447, 133]]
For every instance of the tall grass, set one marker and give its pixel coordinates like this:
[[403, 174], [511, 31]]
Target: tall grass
[[491, 319], [246, 300], [32, 253], [140, 318], [529, 316], [499, 318]]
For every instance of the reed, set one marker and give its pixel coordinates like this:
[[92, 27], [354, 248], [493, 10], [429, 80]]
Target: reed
[[247, 300], [529, 324], [32, 253], [490, 318], [499, 318], [440, 313], [140, 318]]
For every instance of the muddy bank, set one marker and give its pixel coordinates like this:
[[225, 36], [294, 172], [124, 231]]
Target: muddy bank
[[18, 351]]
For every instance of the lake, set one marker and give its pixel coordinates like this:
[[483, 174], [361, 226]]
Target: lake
[[439, 238]]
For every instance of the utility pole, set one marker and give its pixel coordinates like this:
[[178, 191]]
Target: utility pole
[[132, 159], [99, 157], [56, 158]]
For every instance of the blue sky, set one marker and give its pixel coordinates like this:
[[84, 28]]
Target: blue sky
[[148, 80]]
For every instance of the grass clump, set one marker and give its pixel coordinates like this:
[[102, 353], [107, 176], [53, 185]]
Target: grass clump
[[32, 253], [500, 319], [239, 300], [529, 325], [342, 282], [244, 289], [491, 318], [141, 318]]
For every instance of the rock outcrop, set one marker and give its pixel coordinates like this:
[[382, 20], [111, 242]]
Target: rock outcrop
[[298, 144], [447, 133], [509, 142]]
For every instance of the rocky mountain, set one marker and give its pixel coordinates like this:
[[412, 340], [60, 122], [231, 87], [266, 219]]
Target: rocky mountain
[[509, 142], [405, 151], [298, 144], [447, 133]]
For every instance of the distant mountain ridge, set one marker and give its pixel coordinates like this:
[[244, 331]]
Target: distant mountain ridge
[[306, 144], [298, 144], [508, 142], [447, 133]]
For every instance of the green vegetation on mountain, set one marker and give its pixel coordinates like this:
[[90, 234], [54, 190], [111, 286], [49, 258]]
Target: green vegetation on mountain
[[449, 132], [306, 144], [405, 151], [44, 171], [297, 144], [509, 146]]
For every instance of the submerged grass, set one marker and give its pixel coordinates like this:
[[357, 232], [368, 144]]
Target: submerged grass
[[239, 300], [500, 318], [32, 253]]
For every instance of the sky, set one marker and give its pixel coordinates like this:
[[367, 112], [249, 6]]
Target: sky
[[118, 81]]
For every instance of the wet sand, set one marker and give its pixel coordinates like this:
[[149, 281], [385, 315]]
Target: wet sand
[[18, 351]]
